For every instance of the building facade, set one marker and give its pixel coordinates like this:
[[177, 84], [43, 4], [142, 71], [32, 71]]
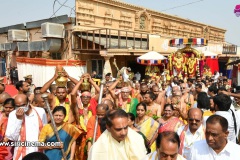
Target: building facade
[[123, 31]]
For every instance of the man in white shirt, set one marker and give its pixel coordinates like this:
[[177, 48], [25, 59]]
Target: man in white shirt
[[175, 81], [24, 124], [192, 132], [138, 76], [167, 147], [216, 146], [222, 106], [118, 142], [216, 76]]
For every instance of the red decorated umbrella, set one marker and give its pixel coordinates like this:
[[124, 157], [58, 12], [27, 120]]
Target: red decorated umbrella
[[151, 58]]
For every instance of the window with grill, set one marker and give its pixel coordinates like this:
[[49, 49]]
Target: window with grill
[[97, 65]]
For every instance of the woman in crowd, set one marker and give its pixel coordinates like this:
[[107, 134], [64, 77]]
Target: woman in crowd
[[169, 122], [68, 134], [8, 106], [212, 108], [147, 125], [131, 121]]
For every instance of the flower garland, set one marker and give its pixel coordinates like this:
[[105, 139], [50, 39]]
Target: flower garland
[[83, 121], [67, 101], [81, 108], [127, 106]]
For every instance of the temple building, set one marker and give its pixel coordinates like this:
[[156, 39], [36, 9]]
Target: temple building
[[103, 30]]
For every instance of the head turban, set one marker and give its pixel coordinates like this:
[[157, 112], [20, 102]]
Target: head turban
[[86, 93], [125, 89]]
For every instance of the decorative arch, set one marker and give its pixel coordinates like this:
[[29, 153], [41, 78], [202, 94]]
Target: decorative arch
[[142, 20]]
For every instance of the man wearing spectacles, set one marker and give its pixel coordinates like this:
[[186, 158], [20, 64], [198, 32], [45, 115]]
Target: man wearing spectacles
[[216, 145], [192, 132], [168, 144]]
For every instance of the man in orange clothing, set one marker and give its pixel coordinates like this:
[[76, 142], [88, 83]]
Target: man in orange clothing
[[101, 112]]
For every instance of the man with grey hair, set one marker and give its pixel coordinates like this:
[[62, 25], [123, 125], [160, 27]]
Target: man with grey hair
[[192, 132], [216, 145]]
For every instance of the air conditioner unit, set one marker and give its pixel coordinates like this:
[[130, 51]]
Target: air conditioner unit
[[17, 35], [52, 30]]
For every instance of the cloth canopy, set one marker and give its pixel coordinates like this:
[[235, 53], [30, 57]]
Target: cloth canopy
[[199, 42], [151, 58]]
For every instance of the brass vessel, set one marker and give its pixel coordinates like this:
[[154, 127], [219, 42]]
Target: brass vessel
[[61, 81], [85, 86]]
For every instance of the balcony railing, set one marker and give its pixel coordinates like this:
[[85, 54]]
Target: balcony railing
[[229, 49], [110, 39]]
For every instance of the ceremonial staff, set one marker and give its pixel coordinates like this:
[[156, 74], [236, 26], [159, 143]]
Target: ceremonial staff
[[45, 98], [99, 102]]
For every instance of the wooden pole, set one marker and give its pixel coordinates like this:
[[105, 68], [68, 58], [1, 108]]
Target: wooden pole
[[99, 102], [45, 98]]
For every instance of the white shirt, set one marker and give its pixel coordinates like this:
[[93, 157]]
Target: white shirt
[[229, 117], [201, 151], [138, 76], [32, 128], [216, 76], [168, 91], [190, 139], [154, 156]]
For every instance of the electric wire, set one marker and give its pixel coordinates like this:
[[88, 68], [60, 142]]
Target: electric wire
[[182, 5]]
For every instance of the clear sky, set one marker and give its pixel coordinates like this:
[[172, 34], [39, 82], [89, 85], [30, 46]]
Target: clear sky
[[217, 13]]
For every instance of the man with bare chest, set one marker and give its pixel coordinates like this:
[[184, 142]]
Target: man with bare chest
[[187, 98], [160, 96], [153, 109], [143, 91]]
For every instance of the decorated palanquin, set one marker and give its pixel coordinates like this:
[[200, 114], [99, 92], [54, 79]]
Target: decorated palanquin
[[184, 62]]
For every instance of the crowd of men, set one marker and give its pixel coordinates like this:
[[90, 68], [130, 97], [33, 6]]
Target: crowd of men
[[144, 119]]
